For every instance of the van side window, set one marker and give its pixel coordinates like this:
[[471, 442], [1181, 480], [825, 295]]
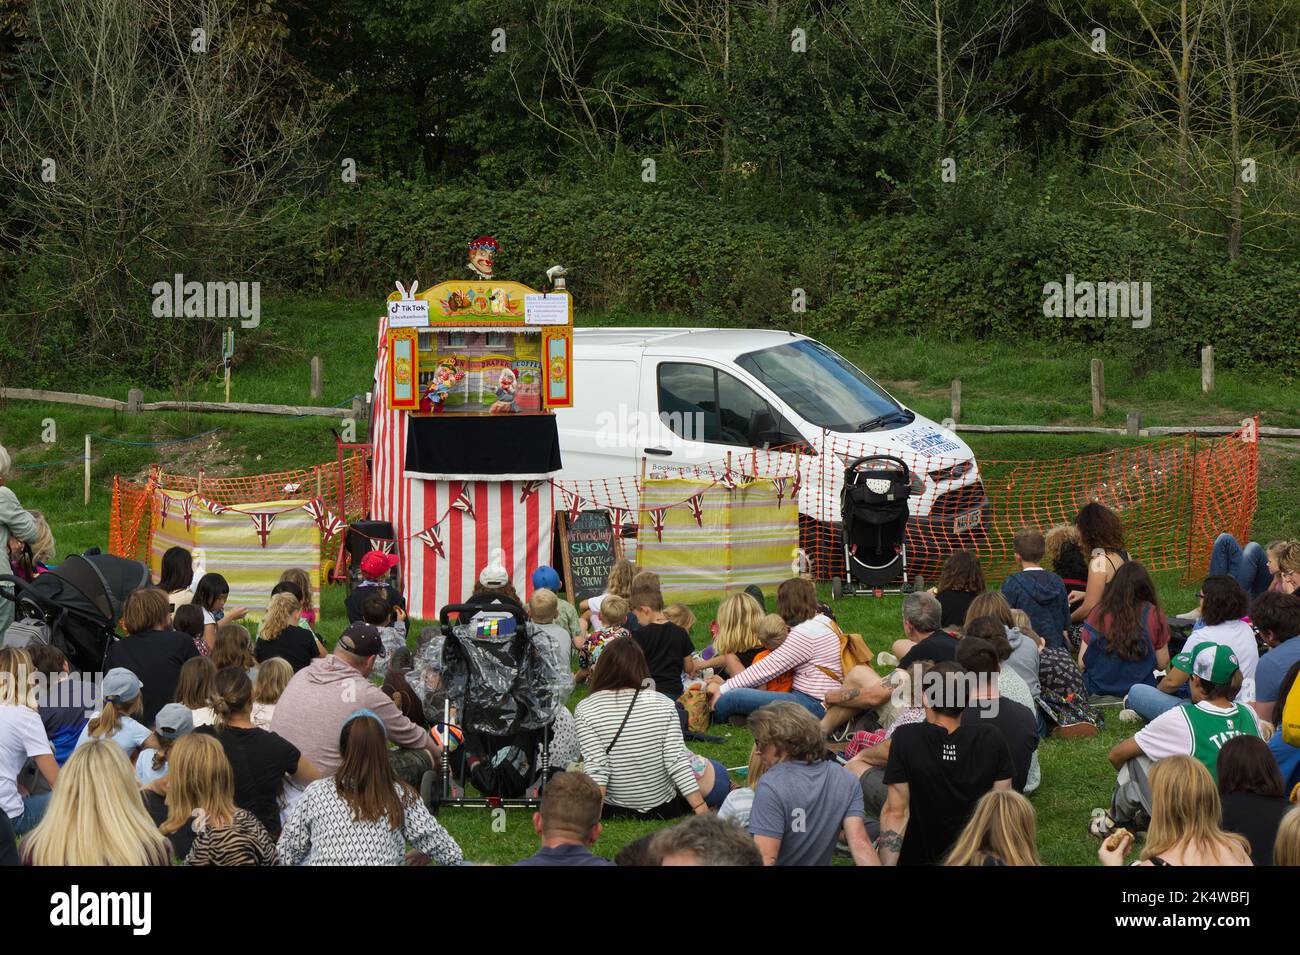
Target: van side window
[[702, 404]]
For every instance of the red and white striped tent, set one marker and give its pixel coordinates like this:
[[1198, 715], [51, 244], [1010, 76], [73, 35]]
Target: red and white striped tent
[[447, 530]]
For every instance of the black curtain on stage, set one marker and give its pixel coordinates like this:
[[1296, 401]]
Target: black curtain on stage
[[482, 446]]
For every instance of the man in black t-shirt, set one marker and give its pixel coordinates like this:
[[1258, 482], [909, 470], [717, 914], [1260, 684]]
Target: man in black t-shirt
[[937, 771], [1013, 720], [923, 639]]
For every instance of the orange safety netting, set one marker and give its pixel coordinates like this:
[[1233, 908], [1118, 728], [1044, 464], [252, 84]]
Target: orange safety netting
[[1174, 495], [345, 484]]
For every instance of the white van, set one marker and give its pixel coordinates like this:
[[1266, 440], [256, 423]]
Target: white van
[[683, 397]]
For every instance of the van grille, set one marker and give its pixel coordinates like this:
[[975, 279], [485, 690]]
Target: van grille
[[959, 500]]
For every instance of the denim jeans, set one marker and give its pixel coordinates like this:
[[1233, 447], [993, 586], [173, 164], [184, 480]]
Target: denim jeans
[[742, 702], [1148, 702], [33, 810], [1247, 565]]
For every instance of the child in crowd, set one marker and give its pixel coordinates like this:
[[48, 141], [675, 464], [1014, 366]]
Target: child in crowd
[[172, 722], [234, 648], [210, 595], [1039, 593], [272, 677], [739, 801], [1062, 548], [281, 633], [545, 577], [543, 611], [681, 615], [122, 702], [188, 618], [194, 688], [28, 561], [735, 635], [390, 621], [590, 645], [61, 704], [302, 580], [960, 581], [619, 584], [772, 631], [203, 822], [375, 569]]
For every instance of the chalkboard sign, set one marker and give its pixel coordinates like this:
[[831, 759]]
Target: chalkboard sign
[[588, 548]]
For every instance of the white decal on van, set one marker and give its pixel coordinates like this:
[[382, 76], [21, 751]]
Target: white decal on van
[[930, 441]]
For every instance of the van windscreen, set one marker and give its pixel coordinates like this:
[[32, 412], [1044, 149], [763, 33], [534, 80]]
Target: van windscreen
[[822, 387]]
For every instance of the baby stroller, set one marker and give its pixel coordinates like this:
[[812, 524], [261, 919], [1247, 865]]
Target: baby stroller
[[873, 523], [493, 683], [74, 607]]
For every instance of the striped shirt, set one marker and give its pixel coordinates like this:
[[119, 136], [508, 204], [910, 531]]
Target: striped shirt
[[649, 763], [243, 842], [809, 645]]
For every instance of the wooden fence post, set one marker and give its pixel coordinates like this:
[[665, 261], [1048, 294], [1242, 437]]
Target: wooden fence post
[[1098, 388], [86, 496], [134, 401], [1207, 369], [1134, 423], [317, 378], [956, 400]]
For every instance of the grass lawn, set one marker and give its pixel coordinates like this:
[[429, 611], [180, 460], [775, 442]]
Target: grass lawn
[[1031, 385]]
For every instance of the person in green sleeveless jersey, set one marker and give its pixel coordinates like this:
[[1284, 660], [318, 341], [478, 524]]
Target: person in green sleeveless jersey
[[1197, 729]]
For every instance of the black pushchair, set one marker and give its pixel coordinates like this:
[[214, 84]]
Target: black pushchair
[[873, 525], [493, 695], [74, 607]]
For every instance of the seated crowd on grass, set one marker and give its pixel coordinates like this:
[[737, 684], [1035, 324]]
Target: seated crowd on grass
[[216, 743]]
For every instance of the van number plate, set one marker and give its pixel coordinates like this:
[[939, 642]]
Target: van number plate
[[968, 521]]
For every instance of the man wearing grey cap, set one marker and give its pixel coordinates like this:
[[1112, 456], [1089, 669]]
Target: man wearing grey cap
[[318, 700]]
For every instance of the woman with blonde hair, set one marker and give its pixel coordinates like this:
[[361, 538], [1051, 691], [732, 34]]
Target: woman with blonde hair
[[22, 737], [302, 580], [272, 677], [1288, 567], [740, 800], [1286, 850], [618, 584], [29, 560], [280, 635], [96, 816], [203, 822], [1003, 830], [1185, 821], [736, 643], [15, 523]]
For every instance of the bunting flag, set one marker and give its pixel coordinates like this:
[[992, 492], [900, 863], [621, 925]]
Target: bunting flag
[[187, 510], [463, 503], [331, 526], [794, 487], [433, 539], [779, 484], [291, 489], [262, 521], [212, 505], [317, 511], [616, 517], [575, 507], [381, 545], [529, 489], [727, 480], [163, 501], [696, 505], [657, 521]]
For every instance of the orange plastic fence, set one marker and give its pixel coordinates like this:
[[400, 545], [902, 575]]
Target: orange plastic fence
[[131, 522], [1173, 495]]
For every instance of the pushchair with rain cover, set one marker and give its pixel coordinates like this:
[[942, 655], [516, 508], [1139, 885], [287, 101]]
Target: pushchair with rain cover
[[496, 693], [873, 525], [74, 607]]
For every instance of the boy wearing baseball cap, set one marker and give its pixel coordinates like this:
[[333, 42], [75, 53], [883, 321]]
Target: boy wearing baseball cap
[[547, 578], [1197, 729], [375, 567]]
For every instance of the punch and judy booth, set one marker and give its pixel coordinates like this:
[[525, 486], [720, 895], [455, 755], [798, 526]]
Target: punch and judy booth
[[464, 434]]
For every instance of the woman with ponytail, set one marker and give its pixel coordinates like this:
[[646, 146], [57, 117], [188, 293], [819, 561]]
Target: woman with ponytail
[[258, 758], [280, 635], [116, 719], [363, 814]]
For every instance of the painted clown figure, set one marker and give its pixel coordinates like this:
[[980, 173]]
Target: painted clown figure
[[434, 399], [482, 254]]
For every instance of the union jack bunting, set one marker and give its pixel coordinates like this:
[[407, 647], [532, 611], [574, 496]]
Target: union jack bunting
[[727, 480], [657, 521], [779, 485], [696, 504], [433, 540], [463, 503], [529, 488], [212, 505], [616, 517], [381, 545], [262, 522], [575, 507], [163, 501], [187, 509]]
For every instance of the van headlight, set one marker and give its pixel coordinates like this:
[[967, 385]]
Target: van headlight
[[953, 472]]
